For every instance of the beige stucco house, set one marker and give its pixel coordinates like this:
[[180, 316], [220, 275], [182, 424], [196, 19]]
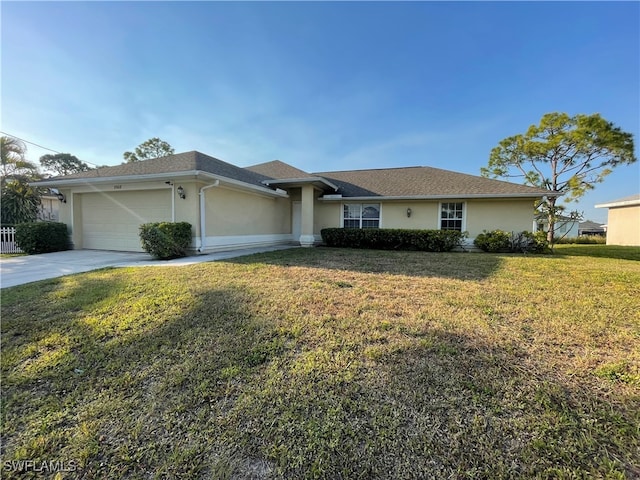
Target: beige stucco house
[[623, 221], [275, 203]]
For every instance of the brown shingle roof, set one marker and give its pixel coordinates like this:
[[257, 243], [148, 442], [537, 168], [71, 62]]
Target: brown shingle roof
[[279, 170], [180, 162], [421, 181], [389, 182]]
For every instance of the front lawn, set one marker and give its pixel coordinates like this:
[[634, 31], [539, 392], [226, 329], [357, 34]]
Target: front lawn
[[329, 363]]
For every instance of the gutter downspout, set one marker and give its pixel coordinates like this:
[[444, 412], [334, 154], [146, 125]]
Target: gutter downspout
[[202, 213], [173, 202], [173, 199]]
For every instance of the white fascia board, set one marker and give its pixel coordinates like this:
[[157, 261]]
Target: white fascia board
[[116, 179], [432, 197], [276, 181], [246, 186], [628, 203], [71, 182]]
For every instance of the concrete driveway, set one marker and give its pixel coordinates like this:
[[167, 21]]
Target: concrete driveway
[[31, 268]]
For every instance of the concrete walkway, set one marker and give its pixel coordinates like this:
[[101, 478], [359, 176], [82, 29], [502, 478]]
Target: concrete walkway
[[31, 268]]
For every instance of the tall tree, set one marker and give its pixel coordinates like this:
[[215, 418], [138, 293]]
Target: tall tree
[[566, 155], [19, 201], [152, 148], [63, 164], [14, 164]]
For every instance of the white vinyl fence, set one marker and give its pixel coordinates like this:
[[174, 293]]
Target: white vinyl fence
[[8, 240]]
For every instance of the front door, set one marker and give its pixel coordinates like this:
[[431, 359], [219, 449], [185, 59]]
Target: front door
[[296, 220]]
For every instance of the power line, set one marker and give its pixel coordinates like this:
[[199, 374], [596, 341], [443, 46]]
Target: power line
[[39, 146], [30, 143]]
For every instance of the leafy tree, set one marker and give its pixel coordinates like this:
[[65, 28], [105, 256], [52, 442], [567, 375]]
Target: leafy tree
[[14, 165], [63, 164], [152, 148], [566, 155], [19, 202]]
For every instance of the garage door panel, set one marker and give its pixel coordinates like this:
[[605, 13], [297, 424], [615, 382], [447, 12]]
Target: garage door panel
[[111, 221]]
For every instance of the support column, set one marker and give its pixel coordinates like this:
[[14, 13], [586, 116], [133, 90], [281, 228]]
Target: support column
[[308, 195]]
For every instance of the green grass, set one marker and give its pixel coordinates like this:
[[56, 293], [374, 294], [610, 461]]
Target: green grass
[[330, 363], [608, 251]]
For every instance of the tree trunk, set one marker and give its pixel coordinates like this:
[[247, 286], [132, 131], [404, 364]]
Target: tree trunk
[[551, 219]]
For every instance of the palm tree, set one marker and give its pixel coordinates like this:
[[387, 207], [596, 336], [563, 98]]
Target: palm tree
[[14, 164], [19, 201]]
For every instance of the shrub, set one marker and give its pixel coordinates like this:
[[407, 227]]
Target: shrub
[[42, 237], [499, 241], [166, 240], [494, 241], [584, 240], [393, 239]]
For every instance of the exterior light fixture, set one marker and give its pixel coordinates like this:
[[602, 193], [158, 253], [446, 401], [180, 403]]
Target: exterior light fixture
[[408, 212], [61, 197], [181, 193]]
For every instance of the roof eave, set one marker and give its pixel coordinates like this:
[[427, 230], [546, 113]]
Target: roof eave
[[435, 197], [71, 182], [301, 181], [245, 185], [628, 203]]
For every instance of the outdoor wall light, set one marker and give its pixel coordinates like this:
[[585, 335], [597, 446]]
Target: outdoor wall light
[[408, 212], [181, 193], [61, 197]]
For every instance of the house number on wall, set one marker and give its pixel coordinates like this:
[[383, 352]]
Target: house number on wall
[[117, 187]]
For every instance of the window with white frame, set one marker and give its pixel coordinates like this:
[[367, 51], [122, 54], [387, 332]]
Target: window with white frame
[[451, 216], [361, 215]]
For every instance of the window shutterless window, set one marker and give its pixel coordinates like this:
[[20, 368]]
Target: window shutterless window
[[451, 216], [361, 215]]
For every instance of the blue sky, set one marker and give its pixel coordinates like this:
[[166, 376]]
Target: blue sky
[[322, 86]]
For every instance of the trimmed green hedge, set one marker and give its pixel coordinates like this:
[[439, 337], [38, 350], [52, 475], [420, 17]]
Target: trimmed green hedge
[[166, 240], [499, 241], [42, 237], [393, 239]]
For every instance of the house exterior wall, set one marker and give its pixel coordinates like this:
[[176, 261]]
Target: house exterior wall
[[623, 226], [327, 215], [188, 209], [509, 215], [238, 219], [232, 212], [424, 215], [512, 215]]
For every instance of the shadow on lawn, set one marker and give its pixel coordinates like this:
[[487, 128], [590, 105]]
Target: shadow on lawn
[[125, 394], [219, 388], [459, 266], [443, 406]]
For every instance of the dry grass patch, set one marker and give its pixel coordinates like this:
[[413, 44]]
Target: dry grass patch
[[330, 363]]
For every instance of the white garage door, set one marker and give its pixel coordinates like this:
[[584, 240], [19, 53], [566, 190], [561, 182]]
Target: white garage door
[[111, 220]]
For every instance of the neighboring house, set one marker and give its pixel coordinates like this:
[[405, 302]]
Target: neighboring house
[[565, 227], [275, 203], [48, 209], [623, 223], [588, 228]]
